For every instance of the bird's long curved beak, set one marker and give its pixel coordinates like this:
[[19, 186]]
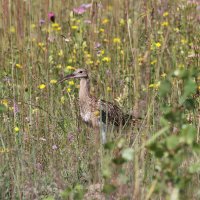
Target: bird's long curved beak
[[66, 78]]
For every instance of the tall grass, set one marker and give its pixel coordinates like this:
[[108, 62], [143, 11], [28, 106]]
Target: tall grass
[[142, 55]]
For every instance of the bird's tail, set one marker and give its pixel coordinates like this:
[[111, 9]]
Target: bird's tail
[[132, 119]]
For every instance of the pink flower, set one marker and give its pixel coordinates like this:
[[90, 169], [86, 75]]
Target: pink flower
[[15, 107], [51, 16], [54, 147], [82, 9], [87, 21], [42, 21], [86, 5], [97, 45], [79, 10]]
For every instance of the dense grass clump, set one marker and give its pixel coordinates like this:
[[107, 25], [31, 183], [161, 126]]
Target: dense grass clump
[[142, 55]]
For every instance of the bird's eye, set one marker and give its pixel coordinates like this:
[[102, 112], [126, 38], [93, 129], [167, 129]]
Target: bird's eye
[[81, 72]]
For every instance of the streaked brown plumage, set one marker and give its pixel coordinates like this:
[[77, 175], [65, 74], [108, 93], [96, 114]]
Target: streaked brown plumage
[[93, 111]]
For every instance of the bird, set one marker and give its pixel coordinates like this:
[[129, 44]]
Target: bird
[[97, 112]]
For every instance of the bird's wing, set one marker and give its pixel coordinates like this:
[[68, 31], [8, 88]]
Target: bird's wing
[[111, 113]]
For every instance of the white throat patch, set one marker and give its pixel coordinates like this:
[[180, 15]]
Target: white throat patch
[[86, 116]]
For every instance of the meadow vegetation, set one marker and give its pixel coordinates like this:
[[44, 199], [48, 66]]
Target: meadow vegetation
[[142, 55]]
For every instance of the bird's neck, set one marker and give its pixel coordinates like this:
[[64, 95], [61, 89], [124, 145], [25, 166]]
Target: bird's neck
[[84, 91]]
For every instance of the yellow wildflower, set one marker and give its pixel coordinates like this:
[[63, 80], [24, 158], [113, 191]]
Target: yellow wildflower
[[18, 65], [32, 39], [74, 27], [62, 99], [12, 29], [73, 19], [41, 86], [16, 129], [71, 82], [181, 65], [96, 113], [4, 150], [69, 67], [176, 30], [56, 27], [53, 81], [165, 14], [33, 26], [153, 62], [109, 89], [102, 52], [155, 85], [117, 40], [60, 53], [69, 89], [183, 41], [199, 87], [163, 75], [89, 62], [11, 108], [105, 21], [140, 59], [4, 102], [59, 66], [121, 22], [101, 30], [35, 110], [106, 59], [165, 24], [78, 21], [158, 44], [70, 60], [41, 44], [87, 55]]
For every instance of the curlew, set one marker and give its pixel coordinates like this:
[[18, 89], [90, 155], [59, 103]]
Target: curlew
[[96, 112]]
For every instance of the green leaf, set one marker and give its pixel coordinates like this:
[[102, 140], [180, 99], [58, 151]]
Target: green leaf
[[172, 142], [127, 154], [2, 108], [189, 89], [157, 149], [108, 188], [48, 198], [78, 192], [106, 172], [119, 160], [188, 134], [181, 73], [190, 104], [196, 148], [165, 88], [173, 116], [109, 145], [66, 193], [194, 168]]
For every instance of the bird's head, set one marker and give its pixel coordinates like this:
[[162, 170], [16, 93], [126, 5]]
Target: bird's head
[[78, 73]]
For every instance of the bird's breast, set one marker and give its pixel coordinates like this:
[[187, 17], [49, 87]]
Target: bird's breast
[[86, 116]]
